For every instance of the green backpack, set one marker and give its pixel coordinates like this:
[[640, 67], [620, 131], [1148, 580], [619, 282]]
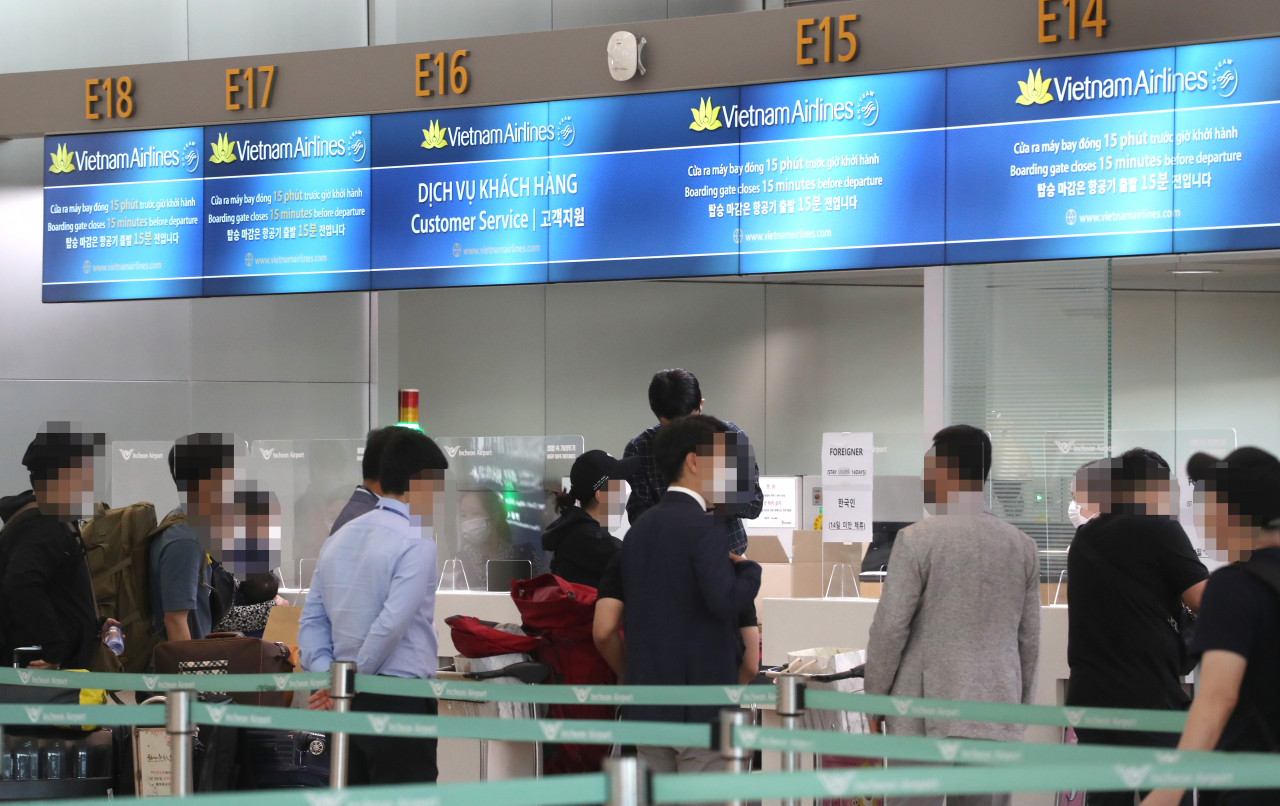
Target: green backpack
[[117, 544]]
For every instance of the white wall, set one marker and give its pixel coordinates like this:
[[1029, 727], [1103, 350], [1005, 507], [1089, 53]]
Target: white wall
[[785, 362], [1197, 360], [262, 367], [61, 34]]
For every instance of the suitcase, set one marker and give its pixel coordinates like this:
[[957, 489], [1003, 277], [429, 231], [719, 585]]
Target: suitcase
[[228, 653]]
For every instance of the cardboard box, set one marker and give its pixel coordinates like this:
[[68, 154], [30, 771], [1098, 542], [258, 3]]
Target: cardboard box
[[282, 625], [806, 573]]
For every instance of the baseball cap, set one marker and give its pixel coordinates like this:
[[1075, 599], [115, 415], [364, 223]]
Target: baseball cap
[[594, 469]]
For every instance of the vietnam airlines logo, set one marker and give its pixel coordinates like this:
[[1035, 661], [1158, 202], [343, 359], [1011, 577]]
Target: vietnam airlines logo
[[706, 117], [1035, 90], [433, 137], [223, 151], [62, 163]]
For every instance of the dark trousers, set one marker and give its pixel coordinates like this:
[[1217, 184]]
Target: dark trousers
[[1130, 738], [388, 760]]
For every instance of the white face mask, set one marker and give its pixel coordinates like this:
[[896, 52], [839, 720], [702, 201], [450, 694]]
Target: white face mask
[[1073, 512], [473, 530]]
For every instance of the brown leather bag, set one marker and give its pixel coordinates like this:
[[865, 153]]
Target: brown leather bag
[[228, 653]]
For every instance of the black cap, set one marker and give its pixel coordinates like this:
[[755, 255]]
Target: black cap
[[594, 469], [1249, 479]]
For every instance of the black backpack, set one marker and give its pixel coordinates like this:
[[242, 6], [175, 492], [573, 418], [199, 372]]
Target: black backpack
[[223, 586]]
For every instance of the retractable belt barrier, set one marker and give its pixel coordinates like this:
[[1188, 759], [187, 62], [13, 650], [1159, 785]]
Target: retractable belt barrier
[[577, 731], [160, 683], [593, 788], [971, 751], [911, 781], [1099, 718], [82, 715], [556, 790]]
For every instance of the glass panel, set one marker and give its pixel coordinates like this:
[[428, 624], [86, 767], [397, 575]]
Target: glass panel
[[314, 479], [140, 472], [500, 494]]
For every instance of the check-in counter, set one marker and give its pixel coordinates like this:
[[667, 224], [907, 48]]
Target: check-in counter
[[788, 625]]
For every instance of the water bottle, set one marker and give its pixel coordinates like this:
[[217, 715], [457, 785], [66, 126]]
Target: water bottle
[[54, 762], [115, 642], [26, 762], [81, 763]]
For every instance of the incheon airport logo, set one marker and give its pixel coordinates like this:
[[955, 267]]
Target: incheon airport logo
[[433, 137], [62, 161], [706, 117]]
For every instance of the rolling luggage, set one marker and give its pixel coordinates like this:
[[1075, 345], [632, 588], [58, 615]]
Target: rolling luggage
[[228, 653]]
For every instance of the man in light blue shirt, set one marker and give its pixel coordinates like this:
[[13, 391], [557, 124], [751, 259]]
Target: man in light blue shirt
[[372, 601]]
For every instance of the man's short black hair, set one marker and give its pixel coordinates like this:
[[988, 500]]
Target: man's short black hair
[[965, 448], [59, 445], [406, 453], [195, 457], [1142, 464], [681, 437], [674, 393], [371, 463]]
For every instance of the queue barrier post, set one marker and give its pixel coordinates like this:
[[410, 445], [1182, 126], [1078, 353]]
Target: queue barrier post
[[628, 781], [790, 705], [342, 688], [735, 758], [181, 730]]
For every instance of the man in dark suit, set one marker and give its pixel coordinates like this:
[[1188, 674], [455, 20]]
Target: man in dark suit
[[683, 589]]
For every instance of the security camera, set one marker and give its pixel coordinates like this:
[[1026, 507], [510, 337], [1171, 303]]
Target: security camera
[[625, 55]]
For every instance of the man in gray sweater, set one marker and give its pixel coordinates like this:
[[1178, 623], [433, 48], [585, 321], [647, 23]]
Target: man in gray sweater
[[959, 614]]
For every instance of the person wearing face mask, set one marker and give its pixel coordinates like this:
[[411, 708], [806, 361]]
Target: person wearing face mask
[[1130, 571], [683, 590], [1082, 508], [959, 613], [484, 534], [580, 538], [372, 602], [46, 594], [1237, 704]]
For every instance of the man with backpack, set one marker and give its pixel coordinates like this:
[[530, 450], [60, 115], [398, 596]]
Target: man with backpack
[[202, 466], [46, 596], [1237, 704]]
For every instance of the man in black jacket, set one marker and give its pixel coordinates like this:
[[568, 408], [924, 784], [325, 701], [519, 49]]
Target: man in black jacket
[[46, 594], [683, 588]]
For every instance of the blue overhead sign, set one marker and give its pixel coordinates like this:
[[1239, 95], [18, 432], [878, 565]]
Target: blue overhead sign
[[1148, 152]]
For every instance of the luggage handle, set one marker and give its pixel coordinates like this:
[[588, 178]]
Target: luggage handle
[[526, 671]]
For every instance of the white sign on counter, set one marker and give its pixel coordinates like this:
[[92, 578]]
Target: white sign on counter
[[847, 483], [781, 504]]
